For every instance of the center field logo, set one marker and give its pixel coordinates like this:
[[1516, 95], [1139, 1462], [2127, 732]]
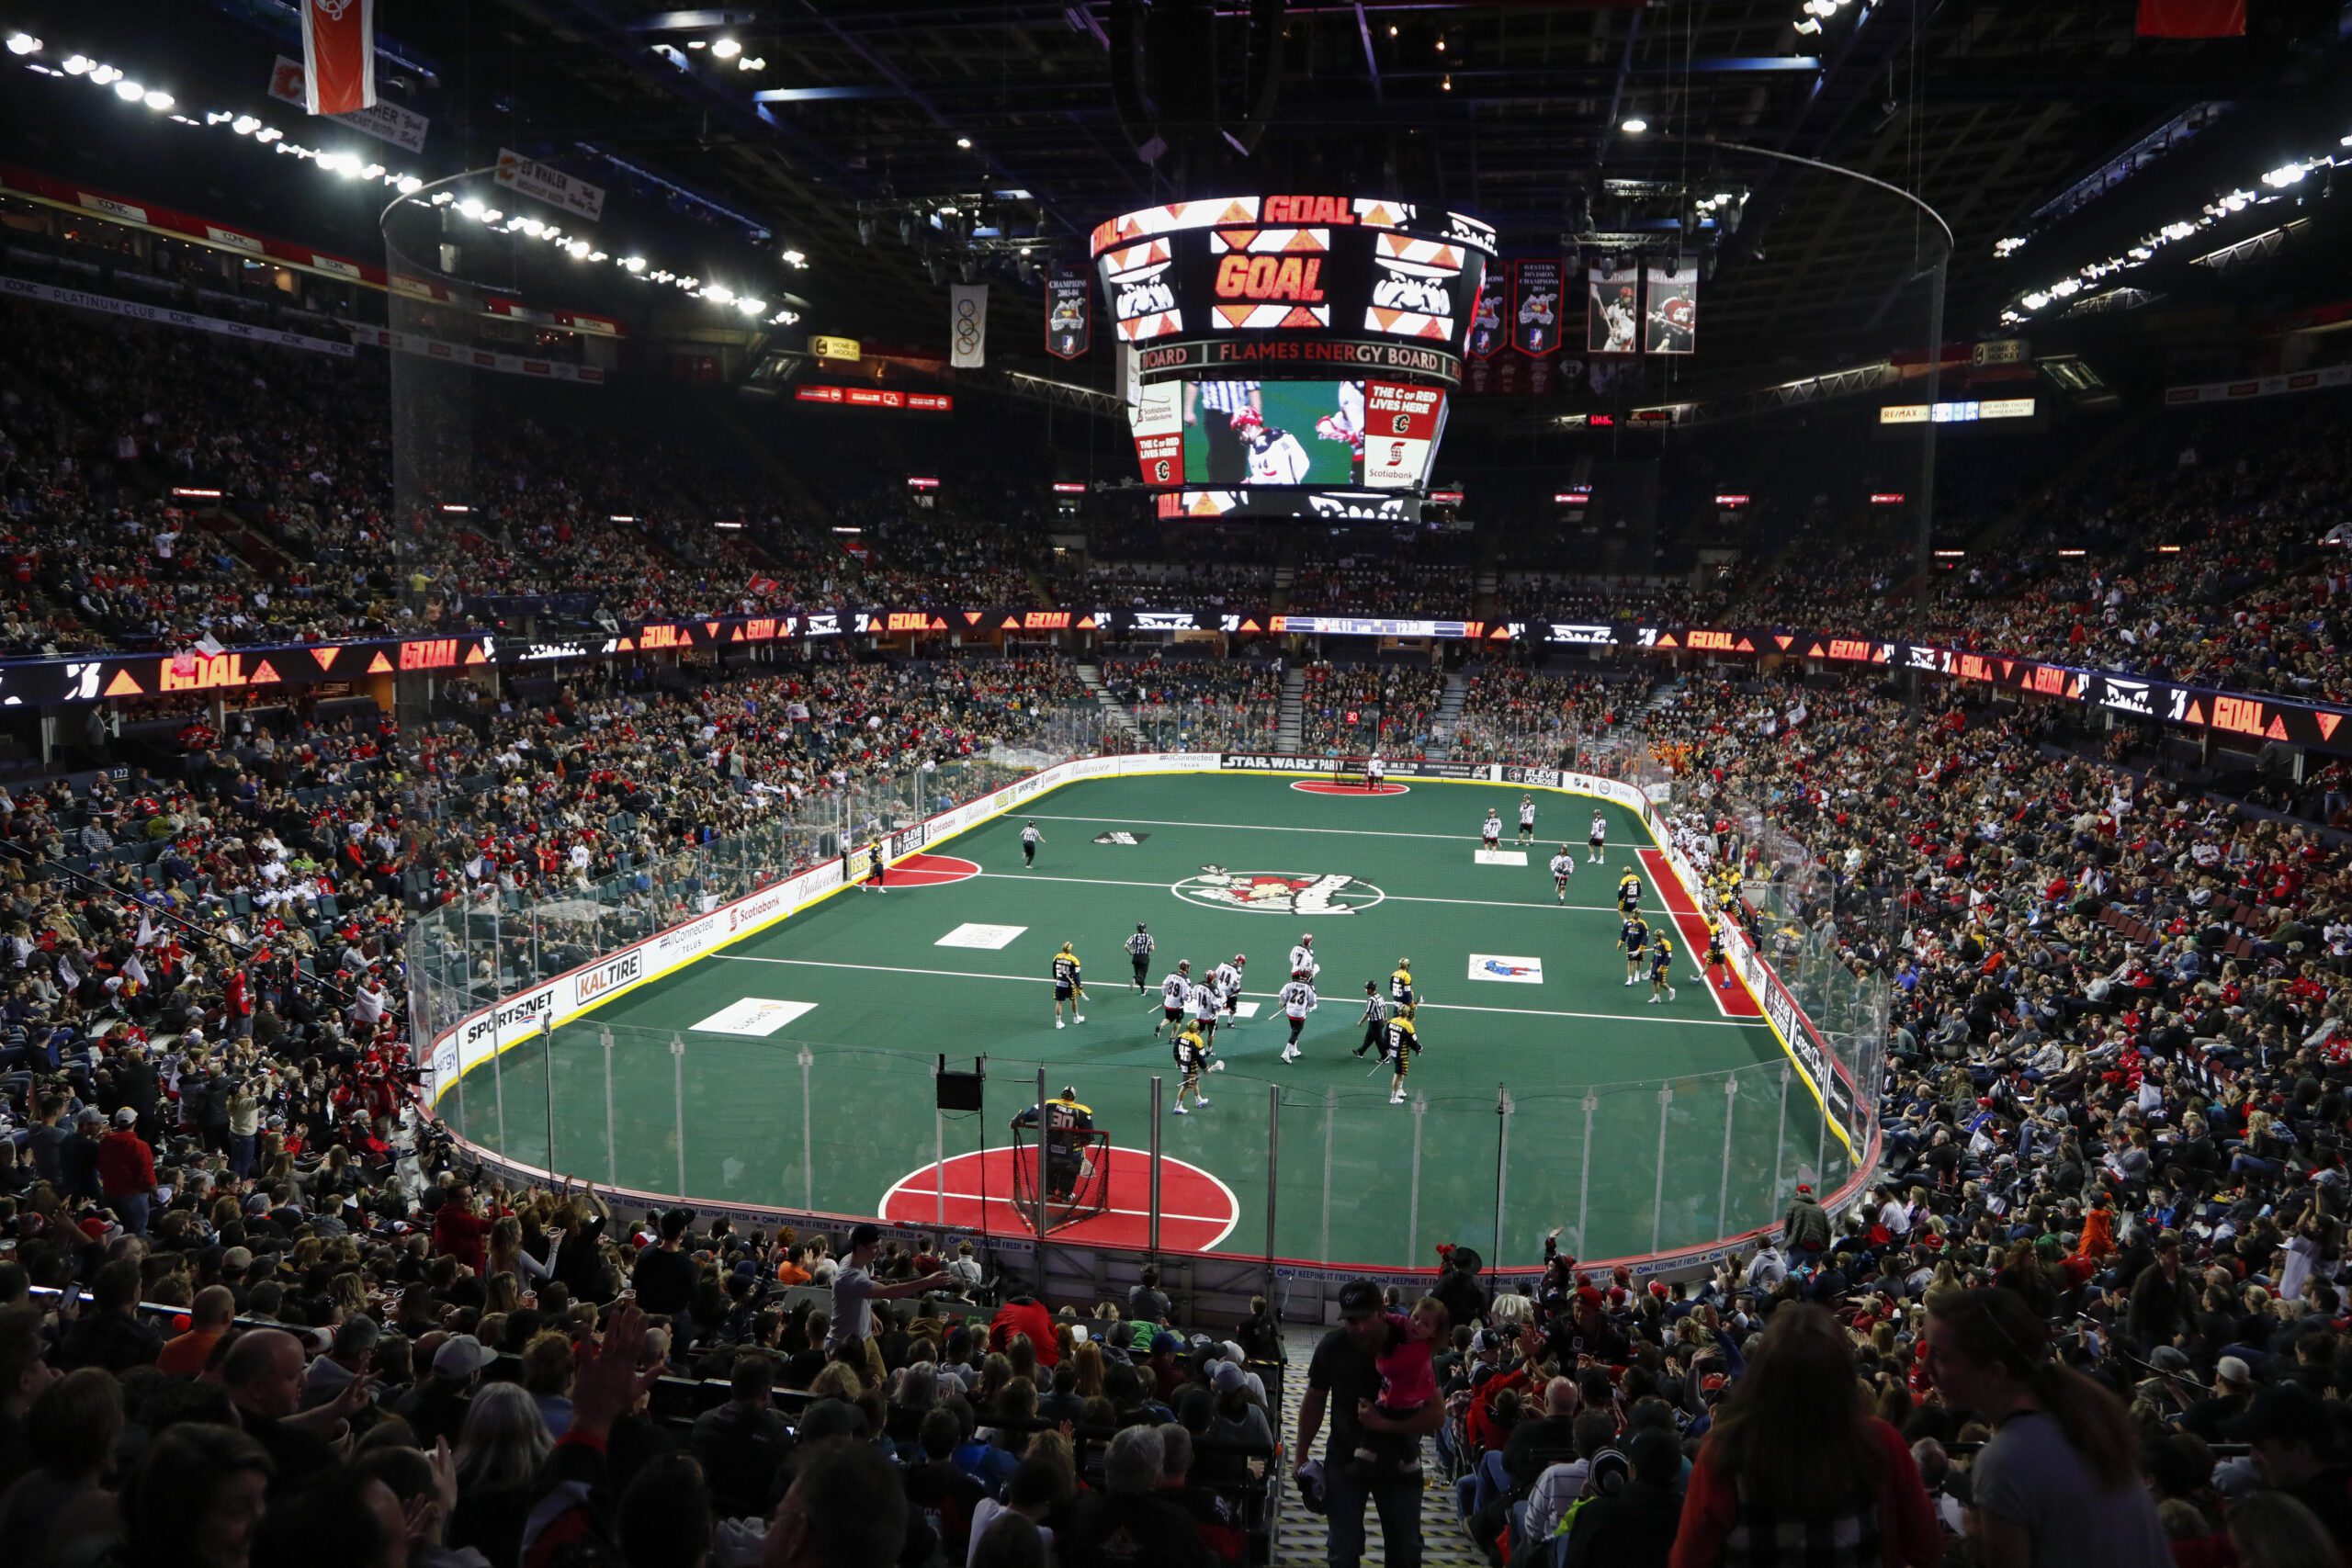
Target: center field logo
[[1278, 892]]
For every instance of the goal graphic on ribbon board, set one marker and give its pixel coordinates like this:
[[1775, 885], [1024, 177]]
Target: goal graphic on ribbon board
[[1078, 1175]]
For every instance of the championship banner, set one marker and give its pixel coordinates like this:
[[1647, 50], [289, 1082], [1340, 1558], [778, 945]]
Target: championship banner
[[1611, 311], [1487, 321], [1535, 298], [1069, 328], [967, 326], [1672, 321], [338, 55]]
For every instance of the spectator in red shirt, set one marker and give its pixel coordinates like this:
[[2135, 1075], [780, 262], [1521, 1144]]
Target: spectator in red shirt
[[126, 1171], [458, 1230]]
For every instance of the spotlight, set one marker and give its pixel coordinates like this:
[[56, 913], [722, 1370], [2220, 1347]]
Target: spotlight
[[372, 172], [577, 249], [78, 63], [267, 134], [964, 143], [23, 43], [749, 306], [726, 49], [634, 264], [720, 294], [1634, 125], [1809, 28], [129, 92], [102, 74], [795, 258], [410, 184], [471, 208], [244, 125], [534, 228], [157, 99], [1446, 84]]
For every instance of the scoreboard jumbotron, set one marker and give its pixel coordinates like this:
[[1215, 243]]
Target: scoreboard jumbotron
[[1287, 344]]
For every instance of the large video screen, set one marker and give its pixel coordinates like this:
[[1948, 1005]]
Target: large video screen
[[1248, 433], [1293, 286]]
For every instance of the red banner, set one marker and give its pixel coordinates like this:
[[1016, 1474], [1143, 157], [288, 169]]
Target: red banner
[[2192, 18], [338, 55]]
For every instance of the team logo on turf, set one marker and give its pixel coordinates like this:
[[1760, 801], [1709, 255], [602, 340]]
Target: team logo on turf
[[1279, 892]]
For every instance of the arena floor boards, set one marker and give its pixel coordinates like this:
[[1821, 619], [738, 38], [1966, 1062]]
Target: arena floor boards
[[863, 988]]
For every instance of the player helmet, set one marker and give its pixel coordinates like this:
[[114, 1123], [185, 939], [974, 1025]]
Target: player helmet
[[1238, 961], [1306, 938], [1247, 420], [1183, 963], [1263, 435], [1070, 1091], [1625, 293]]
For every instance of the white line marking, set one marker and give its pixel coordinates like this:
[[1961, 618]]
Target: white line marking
[[1400, 897], [914, 1191], [1435, 1007], [1471, 838]]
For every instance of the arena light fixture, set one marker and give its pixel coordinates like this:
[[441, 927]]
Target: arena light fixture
[[1634, 125], [751, 307], [2286, 175], [1808, 27], [964, 143], [724, 48], [751, 62], [344, 165]]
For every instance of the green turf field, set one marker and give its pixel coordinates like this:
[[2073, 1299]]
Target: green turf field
[[833, 1110]]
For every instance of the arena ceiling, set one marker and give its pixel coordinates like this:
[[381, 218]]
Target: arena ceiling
[[1988, 108], [1510, 112]]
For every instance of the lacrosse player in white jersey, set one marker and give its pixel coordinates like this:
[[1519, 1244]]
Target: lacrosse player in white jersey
[[1227, 980], [1302, 958], [1297, 1001], [1597, 841], [1175, 997], [1526, 818], [1490, 831], [1563, 866]]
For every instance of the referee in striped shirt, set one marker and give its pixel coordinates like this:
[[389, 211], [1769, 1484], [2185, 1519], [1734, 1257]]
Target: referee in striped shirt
[[1377, 1011], [1139, 949], [1227, 454]]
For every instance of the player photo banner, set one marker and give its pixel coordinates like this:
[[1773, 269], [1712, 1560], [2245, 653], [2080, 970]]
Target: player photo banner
[[1070, 329], [1671, 323], [1535, 307], [1612, 311], [1487, 321], [338, 55]]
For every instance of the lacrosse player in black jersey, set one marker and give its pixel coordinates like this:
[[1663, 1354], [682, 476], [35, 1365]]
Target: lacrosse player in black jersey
[[1068, 987]]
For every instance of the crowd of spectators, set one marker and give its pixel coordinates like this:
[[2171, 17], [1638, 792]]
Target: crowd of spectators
[[1361, 709], [1511, 713], [1199, 705]]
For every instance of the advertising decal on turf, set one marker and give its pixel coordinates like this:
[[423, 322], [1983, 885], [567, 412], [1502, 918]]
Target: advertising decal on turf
[[1070, 327], [967, 326]]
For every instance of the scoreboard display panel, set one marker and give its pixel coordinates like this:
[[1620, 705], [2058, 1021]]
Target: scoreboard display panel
[[1291, 341], [1293, 286]]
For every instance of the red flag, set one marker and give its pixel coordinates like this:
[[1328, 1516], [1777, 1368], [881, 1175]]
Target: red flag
[[338, 55], [2192, 18]]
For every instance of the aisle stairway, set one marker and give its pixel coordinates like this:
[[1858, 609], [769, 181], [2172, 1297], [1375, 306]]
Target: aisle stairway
[[1449, 716], [1290, 721], [1114, 712], [1299, 1535]]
